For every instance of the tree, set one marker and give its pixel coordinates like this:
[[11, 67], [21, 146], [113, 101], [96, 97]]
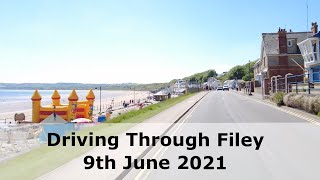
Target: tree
[[248, 75], [192, 79], [236, 72], [212, 73], [200, 78]]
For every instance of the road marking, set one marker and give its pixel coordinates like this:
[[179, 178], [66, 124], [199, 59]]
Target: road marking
[[288, 112], [162, 149]]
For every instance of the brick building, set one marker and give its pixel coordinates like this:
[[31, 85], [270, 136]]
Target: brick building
[[280, 55]]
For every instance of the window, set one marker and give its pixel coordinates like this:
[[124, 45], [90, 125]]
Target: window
[[314, 48], [290, 43]]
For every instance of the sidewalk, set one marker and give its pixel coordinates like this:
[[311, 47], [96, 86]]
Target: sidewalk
[[154, 126], [292, 111], [254, 95]]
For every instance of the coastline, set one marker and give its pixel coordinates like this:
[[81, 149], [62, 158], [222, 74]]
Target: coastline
[[105, 102]]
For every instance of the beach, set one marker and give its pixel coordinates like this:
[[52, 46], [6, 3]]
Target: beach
[[19, 101]]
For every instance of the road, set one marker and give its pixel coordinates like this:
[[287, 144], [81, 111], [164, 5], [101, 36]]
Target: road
[[231, 107], [289, 151]]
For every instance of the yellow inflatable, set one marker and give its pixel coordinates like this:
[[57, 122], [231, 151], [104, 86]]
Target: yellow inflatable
[[75, 109]]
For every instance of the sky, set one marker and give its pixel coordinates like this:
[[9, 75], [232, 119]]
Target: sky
[[137, 41]]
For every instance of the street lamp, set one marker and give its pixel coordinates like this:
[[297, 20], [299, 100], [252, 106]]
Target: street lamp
[[249, 79], [100, 98], [134, 95]]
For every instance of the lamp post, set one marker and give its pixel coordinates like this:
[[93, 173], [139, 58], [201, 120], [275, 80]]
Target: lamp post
[[249, 79], [134, 95], [100, 98]]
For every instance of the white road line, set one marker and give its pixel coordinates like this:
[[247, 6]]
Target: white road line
[[288, 112], [162, 149]]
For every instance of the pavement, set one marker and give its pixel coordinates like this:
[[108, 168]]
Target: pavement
[[156, 125], [290, 150]]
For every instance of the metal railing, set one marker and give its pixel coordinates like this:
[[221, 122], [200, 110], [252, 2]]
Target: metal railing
[[302, 83]]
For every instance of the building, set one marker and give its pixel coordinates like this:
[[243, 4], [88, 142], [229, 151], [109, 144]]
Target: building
[[162, 95], [279, 55], [180, 87], [257, 71], [230, 83], [310, 52]]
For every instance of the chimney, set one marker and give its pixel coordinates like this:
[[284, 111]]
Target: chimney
[[314, 27], [282, 41]]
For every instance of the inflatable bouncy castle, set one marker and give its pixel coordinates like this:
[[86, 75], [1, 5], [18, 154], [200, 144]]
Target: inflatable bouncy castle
[[75, 109]]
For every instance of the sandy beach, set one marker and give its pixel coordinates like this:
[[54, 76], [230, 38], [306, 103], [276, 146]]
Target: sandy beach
[[17, 139], [10, 108]]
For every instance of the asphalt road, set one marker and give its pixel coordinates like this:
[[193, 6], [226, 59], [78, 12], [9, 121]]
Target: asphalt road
[[289, 150], [232, 107]]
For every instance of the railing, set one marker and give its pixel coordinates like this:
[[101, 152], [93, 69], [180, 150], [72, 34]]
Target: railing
[[302, 83]]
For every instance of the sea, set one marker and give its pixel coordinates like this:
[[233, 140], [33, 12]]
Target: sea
[[12, 101]]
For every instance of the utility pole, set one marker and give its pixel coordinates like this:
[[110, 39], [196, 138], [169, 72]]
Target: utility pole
[[100, 99], [307, 15], [249, 78], [134, 95]]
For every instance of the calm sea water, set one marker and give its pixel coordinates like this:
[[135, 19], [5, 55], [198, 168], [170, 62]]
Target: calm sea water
[[20, 100]]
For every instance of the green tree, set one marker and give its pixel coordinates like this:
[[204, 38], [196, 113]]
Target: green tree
[[192, 79], [212, 73], [248, 75], [200, 78], [236, 72]]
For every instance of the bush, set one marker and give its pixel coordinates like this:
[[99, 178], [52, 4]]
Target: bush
[[288, 99], [316, 104], [278, 98], [309, 103]]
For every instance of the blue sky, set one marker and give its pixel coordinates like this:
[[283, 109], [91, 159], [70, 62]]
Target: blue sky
[[139, 41]]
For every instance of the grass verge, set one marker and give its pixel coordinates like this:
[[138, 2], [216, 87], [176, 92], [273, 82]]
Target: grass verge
[[44, 159]]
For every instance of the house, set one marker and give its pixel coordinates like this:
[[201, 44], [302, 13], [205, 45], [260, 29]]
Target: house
[[162, 95], [222, 74], [279, 55], [310, 52], [257, 70], [213, 83], [180, 87], [230, 83]]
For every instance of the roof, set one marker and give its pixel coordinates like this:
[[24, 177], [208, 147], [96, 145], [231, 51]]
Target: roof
[[181, 90], [90, 95], [270, 40], [317, 35], [160, 93], [73, 96], [36, 96], [55, 95], [258, 62], [51, 119]]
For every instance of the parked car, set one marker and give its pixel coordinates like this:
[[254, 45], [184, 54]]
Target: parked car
[[226, 88], [219, 88]]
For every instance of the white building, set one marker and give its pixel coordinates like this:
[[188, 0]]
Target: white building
[[180, 87], [310, 52]]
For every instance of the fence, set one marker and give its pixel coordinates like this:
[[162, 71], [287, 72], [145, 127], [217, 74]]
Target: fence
[[302, 83]]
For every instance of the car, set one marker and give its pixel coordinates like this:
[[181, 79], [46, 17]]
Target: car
[[226, 88], [219, 88]]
